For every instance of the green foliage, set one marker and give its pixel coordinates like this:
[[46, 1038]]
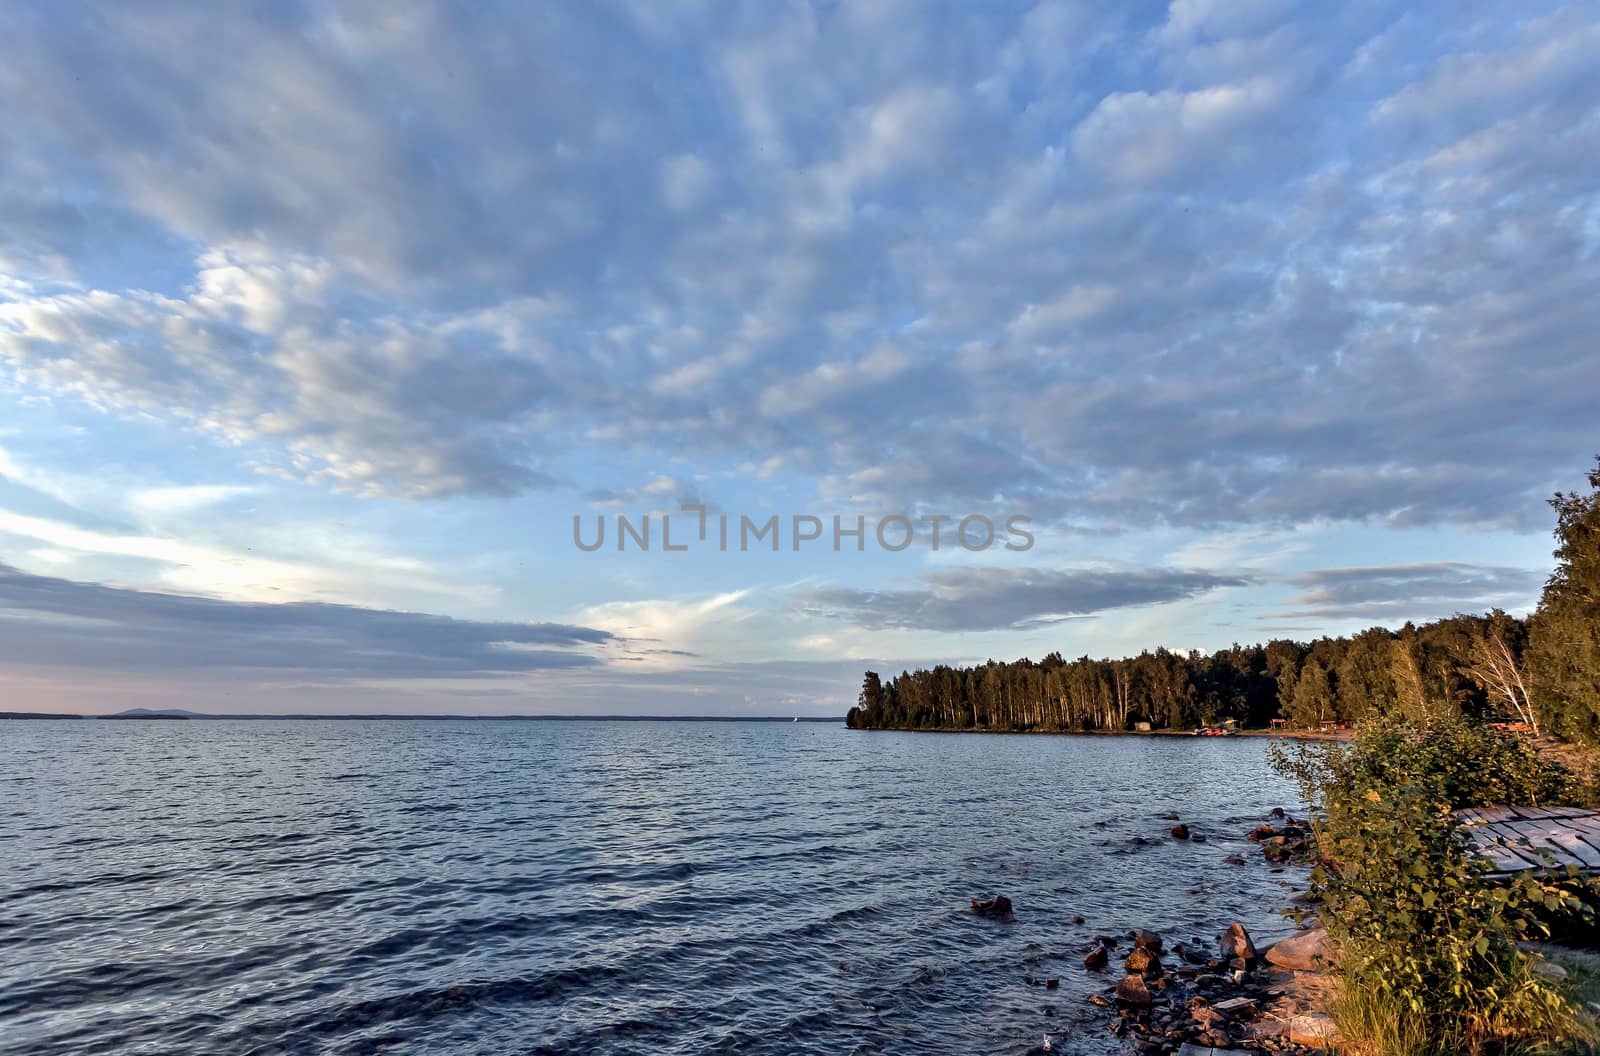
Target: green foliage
[[1563, 653], [1455, 760], [1428, 957]]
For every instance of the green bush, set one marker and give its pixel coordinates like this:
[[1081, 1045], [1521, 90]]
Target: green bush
[[1457, 760], [1428, 960]]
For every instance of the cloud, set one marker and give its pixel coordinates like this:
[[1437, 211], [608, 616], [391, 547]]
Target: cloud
[[78, 627], [1395, 593], [1145, 137], [1207, 265], [986, 599]]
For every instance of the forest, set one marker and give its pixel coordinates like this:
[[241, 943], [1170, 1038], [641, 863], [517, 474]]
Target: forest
[[1543, 670]]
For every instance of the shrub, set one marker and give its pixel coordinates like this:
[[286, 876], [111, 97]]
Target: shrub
[[1428, 957]]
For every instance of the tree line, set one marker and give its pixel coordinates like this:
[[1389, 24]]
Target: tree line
[[1543, 670]]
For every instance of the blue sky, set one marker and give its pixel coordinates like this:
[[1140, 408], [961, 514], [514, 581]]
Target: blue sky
[[319, 324]]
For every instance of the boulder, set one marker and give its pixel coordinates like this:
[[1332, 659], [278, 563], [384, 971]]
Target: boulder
[[997, 908], [1180, 831], [1313, 1029], [1147, 940], [1142, 961], [1263, 832], [1304, 952], [1236, 945], [1096, 958], [1233, 859], [1132, 991]]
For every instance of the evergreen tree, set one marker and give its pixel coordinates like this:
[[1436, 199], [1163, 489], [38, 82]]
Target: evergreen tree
[[1563, 655]]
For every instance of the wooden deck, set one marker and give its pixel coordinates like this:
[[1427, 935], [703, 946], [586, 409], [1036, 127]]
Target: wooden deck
[[1517, 839]]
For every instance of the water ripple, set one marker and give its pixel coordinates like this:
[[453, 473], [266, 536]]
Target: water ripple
[[593, 888]]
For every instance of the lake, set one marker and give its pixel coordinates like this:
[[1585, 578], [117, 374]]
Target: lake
[[492, 887]]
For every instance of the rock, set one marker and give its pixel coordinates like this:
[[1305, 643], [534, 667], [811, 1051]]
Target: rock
[[1096, 999], [1233, 859], [1142, 961], [1051, 984], [1549, 970], [1276, 812], [1304, 952], [1077, 919], [1235, 1007], [1096, 959], [1189, 956], [1147, 940], [1313, 1029], [1132, 991], [997, 908], [1262, 832], [1180, 831], [1107, 941], [1199, 837], [1235, 943]]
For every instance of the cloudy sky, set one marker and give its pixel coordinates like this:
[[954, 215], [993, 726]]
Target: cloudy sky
[[319, 324]]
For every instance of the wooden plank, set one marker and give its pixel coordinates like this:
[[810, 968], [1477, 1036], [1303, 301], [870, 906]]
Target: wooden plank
[[1574, 851], [1528, 859], [1592, 839], [1516, 839], [1511, 833], [1589, 825]]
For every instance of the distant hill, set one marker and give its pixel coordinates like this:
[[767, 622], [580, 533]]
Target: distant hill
[[154, 713]]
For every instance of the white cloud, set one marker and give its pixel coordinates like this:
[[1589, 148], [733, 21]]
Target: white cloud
[[685, 181]]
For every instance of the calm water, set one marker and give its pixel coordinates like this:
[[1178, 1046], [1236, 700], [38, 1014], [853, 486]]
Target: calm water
[[593, 887]]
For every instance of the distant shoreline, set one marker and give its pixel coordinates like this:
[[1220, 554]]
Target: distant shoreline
[[1285, 734]]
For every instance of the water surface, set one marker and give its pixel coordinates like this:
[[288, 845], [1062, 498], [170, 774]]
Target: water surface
[[481, 887]]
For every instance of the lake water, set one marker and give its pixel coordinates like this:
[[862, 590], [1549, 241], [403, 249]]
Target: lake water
[[483, 887]]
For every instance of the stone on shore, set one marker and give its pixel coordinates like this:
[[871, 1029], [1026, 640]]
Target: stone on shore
[[1096, 958], [1304, 952], [1180, 831], [1236, 945], [1142, 961], [1147, 940], [1132, 991], [1313, 1029]]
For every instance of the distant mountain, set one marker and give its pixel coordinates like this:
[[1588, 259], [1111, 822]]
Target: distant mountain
[[155, 713]]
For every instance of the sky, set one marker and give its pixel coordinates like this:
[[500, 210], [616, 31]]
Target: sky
[[320, 324]]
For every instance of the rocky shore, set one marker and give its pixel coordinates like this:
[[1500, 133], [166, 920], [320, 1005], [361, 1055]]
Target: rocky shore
[[1188, 998]]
